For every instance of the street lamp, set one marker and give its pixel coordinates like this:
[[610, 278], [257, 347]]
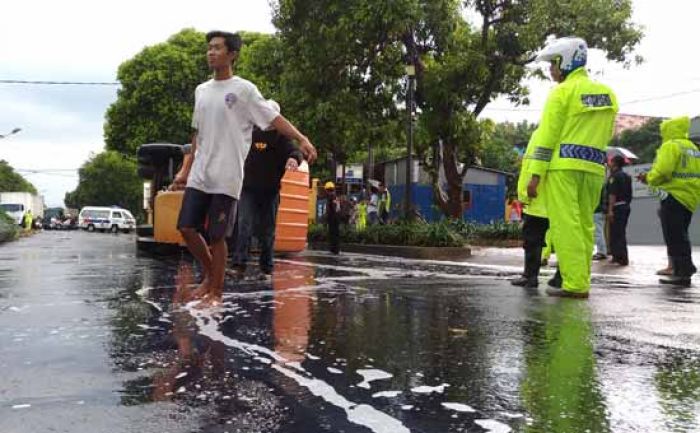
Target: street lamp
[[411, 74], [14, 131]]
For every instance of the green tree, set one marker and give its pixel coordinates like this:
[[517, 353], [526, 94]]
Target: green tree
[[12, 181], [643, 141], [502, 139], [156, 100], [348, 60], [107, 179]]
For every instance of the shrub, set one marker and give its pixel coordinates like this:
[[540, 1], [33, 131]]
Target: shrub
[[438, 234], [443, 233], [8, 228]]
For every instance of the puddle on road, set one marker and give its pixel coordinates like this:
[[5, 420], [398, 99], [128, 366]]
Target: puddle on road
[[354, 347]]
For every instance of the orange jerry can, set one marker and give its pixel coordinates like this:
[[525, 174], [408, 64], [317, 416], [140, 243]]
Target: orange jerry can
[[293, 212], [167, 209]]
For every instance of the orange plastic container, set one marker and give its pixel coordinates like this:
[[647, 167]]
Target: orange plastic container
[[167, 209], [293, 213]]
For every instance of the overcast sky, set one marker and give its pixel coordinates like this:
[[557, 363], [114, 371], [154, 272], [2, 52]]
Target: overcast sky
[[80, 40]]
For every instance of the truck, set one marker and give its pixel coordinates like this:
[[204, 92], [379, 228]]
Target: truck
[[16, 204]]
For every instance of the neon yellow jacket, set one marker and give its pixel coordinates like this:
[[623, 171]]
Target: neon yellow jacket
[[676, 169], [385, 201], [576, 126], [361, 222], [533, 206]]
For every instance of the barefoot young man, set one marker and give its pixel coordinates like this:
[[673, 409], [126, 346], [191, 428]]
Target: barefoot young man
[[226, 109]]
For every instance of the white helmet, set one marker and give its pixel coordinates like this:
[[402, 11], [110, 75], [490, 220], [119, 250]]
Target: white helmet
[[571, 53]]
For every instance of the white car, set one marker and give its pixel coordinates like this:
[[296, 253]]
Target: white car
[[114, 219]]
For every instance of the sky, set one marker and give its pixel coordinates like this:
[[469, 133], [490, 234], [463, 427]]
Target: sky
[[80, 40]]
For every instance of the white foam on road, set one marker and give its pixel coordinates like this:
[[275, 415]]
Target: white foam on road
[[361, 414], [424, 389], [458, 407], [493, 426], [387, 394], [334, 370], [372, 374]]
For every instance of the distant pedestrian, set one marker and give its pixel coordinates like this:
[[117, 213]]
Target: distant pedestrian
[[676, 171], [28, 220], [373, 207], [332, 217], [600, 226], [516, 212], [384, 204], [619, 199], [361, 222], [271, 155]]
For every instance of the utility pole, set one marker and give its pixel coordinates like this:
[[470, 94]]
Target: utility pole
[[411, 74]]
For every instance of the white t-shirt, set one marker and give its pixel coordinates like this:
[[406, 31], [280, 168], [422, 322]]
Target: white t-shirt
[[224, 114], [373, 203]]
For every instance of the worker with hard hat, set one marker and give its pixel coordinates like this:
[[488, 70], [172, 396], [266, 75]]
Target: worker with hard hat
[[576, 126], [332, 217], [676, 173]]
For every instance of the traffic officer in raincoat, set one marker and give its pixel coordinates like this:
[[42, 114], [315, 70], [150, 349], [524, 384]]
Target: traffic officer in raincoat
[[576, 126], [676, 172], [535, 222]]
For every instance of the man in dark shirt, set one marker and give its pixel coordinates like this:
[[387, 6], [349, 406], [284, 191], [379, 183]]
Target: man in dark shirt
[[271, 154], [332, 217], [619, 199]]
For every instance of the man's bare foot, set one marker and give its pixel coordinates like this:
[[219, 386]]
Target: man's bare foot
[[209, 301], [201, 291]]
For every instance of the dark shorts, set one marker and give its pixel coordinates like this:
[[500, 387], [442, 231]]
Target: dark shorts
[[215, 213]]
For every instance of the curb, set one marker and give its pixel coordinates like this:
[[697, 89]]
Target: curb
[[410, 252]]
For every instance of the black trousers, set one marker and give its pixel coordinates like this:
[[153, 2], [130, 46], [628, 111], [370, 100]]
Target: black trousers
[[334, 236], [534, 231], [618, 233], [675, 220]]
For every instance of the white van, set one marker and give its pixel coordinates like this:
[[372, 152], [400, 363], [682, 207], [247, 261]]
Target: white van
[[114, 219]]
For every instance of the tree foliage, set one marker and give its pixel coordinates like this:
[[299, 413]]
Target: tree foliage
[[155, 101], [501, 140], [642, 141], [108, 179], [348, 61], [11, 181]]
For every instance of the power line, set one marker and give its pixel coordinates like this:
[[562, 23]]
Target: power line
[[657, 98], [38, 170], [62, 83]]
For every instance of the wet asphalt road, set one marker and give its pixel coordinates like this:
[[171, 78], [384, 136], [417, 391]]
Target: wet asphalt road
[[96, 339]]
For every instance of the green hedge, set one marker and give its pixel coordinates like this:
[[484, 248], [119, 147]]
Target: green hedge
[[9, 230], [498, 230], [437, 234]]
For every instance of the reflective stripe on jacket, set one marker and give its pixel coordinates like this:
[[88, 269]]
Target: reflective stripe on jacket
[[577, 124]]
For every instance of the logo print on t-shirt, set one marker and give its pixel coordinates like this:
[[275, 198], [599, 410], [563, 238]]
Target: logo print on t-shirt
[[230, 99], [260, 145]]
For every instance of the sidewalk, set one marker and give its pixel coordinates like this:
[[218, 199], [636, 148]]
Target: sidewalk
[[645, 260]]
